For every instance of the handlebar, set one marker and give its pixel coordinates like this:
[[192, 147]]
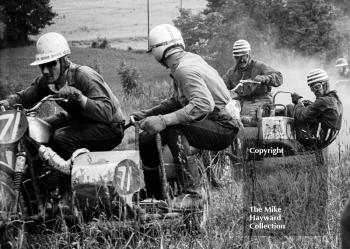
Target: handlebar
[[45, 99], [278, 92], [242, 82], [132, 122]]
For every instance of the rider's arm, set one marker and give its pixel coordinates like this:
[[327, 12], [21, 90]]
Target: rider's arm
[[310, 112], [166, 106], [31, 95], [273, 77], [228, 79], [99, 105], [199, 100]]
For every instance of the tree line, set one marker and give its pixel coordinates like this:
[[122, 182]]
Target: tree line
[[21, 18], [312, 28]]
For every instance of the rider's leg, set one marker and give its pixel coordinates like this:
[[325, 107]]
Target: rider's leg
[[150, 161], [94, 137], [204, 135]]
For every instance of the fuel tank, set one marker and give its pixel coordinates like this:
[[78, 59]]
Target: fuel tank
[[39, 130]]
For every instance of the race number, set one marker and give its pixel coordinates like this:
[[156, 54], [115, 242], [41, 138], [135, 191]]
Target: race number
[[5, 123], [128, 177], [12, 126]]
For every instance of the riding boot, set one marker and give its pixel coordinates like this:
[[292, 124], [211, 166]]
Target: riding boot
[[191, 197]]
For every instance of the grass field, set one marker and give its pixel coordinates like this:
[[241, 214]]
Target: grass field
[[124, 23], [225, 226]]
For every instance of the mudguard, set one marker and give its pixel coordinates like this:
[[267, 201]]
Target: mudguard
[[120, 170]]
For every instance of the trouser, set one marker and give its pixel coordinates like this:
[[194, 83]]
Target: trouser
[[345, 227], [94, 137], [66, 140], [207, 135]]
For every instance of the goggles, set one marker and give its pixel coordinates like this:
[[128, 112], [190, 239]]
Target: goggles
[[316, 86]]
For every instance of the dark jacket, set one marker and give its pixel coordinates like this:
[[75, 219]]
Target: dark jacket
[[254, 68], [102, 105], [327, 110]]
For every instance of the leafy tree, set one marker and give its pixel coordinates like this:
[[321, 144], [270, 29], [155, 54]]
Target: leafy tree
[[214, 5], [304, 26], [23, 18], [199, 28]]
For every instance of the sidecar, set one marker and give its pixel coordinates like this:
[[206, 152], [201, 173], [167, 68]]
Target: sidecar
[[110, 183], [269, 139]]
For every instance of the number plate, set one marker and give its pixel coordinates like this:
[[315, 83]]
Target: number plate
[[120, 169], [13, 125]]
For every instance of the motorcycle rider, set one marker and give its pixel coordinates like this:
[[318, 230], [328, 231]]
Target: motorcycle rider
[[343, 83], [342, 67], [251, 95], [200, 113], [92, 116], [317, 123]]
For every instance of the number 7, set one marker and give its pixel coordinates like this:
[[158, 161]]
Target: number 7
[[9, 118]]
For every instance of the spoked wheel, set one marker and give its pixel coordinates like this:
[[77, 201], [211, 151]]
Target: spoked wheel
[[196, 219], [13, 236]]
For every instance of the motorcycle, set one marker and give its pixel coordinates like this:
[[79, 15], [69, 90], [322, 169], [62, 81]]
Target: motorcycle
[[107, 182]]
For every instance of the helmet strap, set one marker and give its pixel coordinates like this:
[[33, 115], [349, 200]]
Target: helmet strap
[[162, 61], [64, 65]]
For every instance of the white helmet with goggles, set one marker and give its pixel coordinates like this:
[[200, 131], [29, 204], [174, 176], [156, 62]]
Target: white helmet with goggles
[[162, 38]]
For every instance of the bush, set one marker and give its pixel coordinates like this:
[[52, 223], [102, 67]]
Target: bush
[[101, 43], [129, 77]]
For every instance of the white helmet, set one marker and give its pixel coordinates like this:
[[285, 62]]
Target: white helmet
[[50, 46], [240, 47], [341, 62], [162, 38], [316, 75]]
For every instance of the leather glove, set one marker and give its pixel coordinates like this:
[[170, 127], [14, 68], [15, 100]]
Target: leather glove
[[4, 103], [153, 124], [263, 79], [295, 98], [140, 115], [70, 93]]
